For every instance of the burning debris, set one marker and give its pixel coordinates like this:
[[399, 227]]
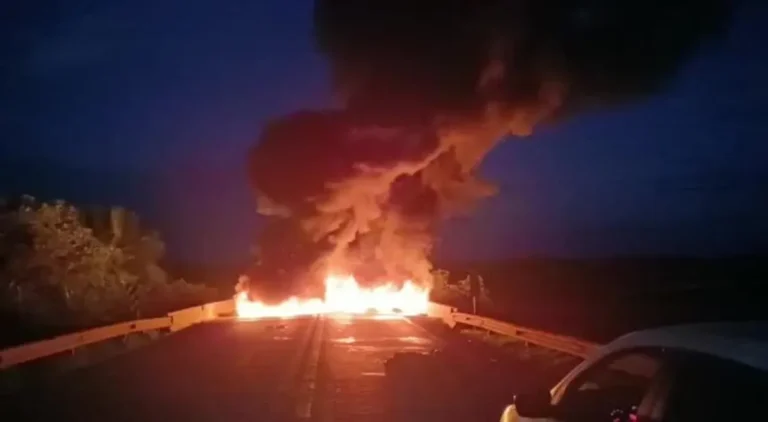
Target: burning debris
[[428, 88], [342, 295]]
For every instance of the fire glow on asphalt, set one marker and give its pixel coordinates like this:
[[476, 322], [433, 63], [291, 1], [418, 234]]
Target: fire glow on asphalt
[[343, 295]]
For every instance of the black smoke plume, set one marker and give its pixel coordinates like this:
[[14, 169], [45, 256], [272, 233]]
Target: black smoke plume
[[428, 87]]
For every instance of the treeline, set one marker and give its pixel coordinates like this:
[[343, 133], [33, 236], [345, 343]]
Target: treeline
[[631, 277], [599, 299], [459, 289], [64, 268]]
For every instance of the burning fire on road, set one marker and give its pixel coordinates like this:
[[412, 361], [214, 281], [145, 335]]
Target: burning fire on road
[[343, 295], [426, 90]]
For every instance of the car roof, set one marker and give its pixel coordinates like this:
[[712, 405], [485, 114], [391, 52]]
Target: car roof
[[743, 342]]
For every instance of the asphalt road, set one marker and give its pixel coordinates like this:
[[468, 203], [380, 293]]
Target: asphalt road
[[319, 369]]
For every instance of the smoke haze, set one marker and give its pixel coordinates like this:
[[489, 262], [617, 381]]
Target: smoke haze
[[428, 88]]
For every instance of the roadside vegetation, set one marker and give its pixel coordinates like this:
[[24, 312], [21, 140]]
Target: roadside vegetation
[[458, 291], [65, 268]]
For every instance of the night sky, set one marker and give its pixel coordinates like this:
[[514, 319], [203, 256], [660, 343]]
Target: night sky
[[153, 105]]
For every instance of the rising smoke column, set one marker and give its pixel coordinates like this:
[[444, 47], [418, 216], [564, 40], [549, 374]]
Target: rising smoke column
[[428, 87]]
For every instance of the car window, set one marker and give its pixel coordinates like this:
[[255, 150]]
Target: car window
[[713, 389], [612, 389]]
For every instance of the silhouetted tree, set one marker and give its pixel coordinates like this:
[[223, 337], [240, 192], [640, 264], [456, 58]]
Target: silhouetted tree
[[54, 271], [458, 291], [64, 267]]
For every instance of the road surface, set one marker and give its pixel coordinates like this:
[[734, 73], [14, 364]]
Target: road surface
[[318, 369]]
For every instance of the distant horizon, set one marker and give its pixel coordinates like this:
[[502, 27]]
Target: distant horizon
[[138, 191], [437, 263]]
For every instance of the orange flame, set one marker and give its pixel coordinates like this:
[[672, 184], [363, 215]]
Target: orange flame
[[344, 295]]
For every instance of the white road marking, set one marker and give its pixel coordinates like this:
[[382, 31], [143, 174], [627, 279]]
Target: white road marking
[[374, 374], [286, 384], [309, 379]]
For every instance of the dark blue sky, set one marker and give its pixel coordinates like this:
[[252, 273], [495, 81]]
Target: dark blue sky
[[154, 105]]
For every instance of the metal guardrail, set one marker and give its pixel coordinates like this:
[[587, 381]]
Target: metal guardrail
[[184, 318], [570, 345], [40, 349], [174, 321]]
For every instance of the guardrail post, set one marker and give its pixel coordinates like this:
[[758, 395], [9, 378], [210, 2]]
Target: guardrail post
[[528, 336]]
